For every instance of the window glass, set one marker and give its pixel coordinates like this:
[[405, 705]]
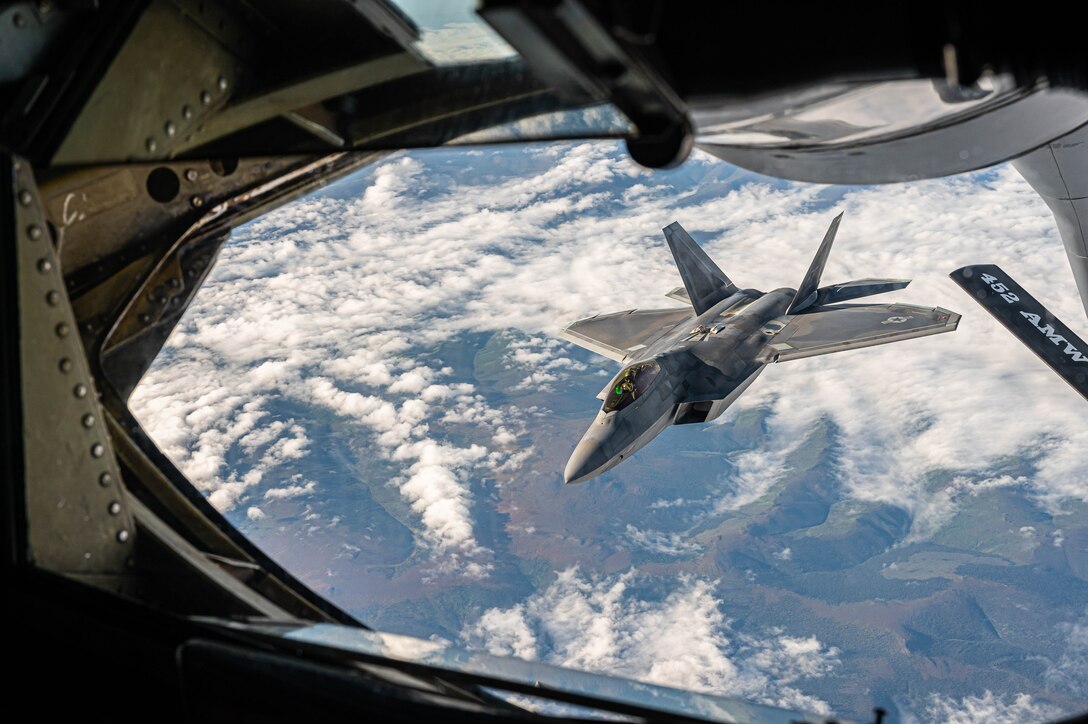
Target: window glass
[[451, 32], [372, 386]]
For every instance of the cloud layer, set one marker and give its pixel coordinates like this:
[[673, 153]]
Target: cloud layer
[[684, 640], [342, 312], [989, 708], [330, 300]]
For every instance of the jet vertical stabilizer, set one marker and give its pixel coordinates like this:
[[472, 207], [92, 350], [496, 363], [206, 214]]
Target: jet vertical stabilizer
[[809, 289], [706, 284]]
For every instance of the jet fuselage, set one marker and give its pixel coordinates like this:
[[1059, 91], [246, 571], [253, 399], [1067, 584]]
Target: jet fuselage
[[704, 361], [685, 367]]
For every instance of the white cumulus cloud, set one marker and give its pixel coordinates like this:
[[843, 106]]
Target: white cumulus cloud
[[683, 640], [989, 708]]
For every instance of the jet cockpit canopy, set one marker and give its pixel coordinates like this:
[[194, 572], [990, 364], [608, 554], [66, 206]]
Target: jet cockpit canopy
[[630, 384]]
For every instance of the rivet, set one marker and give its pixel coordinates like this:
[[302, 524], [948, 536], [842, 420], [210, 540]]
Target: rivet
[[52, 298], [205, 97], [191, 174], [170, 129], [222, 83], [19, 20], [197, 201], [25, 197], [186, 112], [115, 508], [174, 282], [65, 365], [62, 330], [98, 450], [145, 318], [34, 232], [122, 535], [152, 145], [105, 480], [80, 391], [45, 266], [88, 420]]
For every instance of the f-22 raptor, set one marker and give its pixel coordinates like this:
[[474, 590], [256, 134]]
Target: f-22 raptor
[[687, 365]]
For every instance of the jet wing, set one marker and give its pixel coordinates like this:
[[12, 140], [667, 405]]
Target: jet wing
[[835, 328], [621, 334]]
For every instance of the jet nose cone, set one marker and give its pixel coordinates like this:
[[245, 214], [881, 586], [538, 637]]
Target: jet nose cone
[[587, 461]]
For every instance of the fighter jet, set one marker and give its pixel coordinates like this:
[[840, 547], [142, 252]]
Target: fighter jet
[[687, 365]]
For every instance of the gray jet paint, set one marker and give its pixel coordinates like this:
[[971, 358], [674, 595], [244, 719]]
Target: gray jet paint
[[1059, 173], [687, 365]]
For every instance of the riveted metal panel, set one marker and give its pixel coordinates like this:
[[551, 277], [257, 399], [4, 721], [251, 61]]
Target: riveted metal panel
[[169, 78], [77, 517]]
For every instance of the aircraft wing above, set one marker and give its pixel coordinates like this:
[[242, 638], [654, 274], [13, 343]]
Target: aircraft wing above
[[835, 328], [621, 334]]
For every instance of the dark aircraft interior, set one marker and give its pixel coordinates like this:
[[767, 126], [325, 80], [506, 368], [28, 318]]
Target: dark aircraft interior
[[135, 136]]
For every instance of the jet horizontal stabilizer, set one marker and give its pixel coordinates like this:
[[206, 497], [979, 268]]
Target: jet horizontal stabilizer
[[680, 294], [857, 289], [1032, 323]]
